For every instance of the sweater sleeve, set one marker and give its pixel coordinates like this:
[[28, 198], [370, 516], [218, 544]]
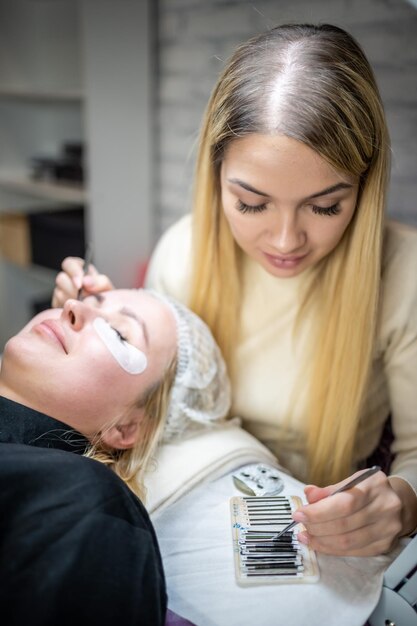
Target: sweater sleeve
[[399, 342], [169, 269]]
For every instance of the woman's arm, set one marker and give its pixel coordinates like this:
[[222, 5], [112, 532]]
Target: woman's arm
[[399, 349], [368, 519]]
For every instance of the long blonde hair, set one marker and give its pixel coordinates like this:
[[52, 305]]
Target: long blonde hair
[[131, 464], [325, 96]]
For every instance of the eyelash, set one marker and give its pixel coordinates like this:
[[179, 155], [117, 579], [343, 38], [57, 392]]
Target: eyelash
[[119, 334], [248, 208], [328, 210], [99, 298]]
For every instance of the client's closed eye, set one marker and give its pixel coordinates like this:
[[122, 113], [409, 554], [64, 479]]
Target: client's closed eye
[[119, 334]]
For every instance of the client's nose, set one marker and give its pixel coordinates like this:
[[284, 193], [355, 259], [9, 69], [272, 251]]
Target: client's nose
[[76, 313]]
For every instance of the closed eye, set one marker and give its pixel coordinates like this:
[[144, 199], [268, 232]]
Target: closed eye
[[328, 210], [99, 299], [249, 208], [119, 334]]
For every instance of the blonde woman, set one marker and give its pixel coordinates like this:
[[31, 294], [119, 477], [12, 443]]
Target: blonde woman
[[104, 378], [310, 293]]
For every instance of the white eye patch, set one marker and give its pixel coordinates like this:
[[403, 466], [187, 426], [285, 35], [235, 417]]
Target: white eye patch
[[130, 358]]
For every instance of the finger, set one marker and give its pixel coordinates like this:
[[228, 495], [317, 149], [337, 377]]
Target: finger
[[73, 266], [367, 541], [96, 283], [340, 524], [92, 270], [314, 494], [333, 548], [68, 284], [339, 504], [58, 298], [379, 521], [333, 508]]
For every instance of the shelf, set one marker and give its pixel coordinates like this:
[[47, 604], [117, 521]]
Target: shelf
[[59, 192], [30, 95]]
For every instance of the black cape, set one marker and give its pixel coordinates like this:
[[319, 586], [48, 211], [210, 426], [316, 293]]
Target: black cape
[[76, 545]]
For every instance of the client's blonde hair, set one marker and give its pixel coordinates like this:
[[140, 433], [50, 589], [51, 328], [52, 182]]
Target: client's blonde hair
[[131, 464]]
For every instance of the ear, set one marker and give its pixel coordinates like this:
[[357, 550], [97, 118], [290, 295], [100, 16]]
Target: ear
[[124, 434]]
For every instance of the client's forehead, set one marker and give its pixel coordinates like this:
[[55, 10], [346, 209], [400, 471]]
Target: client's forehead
[[138, 300]]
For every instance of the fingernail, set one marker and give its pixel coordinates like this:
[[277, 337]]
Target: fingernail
[[88, 281], [299, 517], [303, 537]]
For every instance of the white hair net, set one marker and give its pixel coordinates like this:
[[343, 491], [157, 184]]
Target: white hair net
[[200, 394]]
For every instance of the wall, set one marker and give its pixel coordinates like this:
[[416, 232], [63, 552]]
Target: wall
[[118, 76], [77, 70], [196, 36]]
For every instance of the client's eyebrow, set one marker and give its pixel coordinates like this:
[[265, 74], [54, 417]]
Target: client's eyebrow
[[100, 299], [129, 313]]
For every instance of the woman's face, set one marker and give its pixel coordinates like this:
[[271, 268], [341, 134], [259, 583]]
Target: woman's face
[[287, 208], [88, 363]]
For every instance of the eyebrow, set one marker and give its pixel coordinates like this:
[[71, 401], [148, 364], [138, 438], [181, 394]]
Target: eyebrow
[[139, 320], [323, 192], [100, 298]]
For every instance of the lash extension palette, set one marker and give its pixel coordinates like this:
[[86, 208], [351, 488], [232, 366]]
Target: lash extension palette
[[259, 558], [258, 479]]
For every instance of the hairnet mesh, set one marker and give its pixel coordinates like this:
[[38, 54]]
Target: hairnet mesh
[[200, 393]]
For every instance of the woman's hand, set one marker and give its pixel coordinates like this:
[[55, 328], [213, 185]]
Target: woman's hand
[[72, 278], [365, 520]]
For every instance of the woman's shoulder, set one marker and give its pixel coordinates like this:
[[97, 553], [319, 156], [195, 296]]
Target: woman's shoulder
[[399, 279], [170, 264], [177, 234], [400, 245]]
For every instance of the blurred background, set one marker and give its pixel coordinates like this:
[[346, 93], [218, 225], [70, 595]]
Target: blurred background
[[100, 107]]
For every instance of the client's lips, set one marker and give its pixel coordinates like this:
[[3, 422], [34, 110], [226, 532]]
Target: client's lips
[[54, 330]]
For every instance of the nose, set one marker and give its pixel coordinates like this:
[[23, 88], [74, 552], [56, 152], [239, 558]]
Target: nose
[[76, 313], [286, 233]]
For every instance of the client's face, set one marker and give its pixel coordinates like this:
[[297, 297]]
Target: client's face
[[88, 363]]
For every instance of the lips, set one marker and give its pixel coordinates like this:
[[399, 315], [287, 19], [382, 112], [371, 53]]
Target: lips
[[284, 261], [53, 329]]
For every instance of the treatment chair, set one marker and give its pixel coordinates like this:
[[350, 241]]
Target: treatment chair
[[397, 605]]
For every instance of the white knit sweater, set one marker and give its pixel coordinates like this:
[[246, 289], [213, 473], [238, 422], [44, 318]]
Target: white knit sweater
[[267, 359]]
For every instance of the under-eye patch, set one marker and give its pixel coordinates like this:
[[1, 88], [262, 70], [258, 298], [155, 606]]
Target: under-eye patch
[[130, 358]]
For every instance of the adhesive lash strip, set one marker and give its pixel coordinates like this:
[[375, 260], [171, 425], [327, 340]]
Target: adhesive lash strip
[[259, 557]]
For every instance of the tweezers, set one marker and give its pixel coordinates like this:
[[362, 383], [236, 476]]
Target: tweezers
[[88, 258]]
